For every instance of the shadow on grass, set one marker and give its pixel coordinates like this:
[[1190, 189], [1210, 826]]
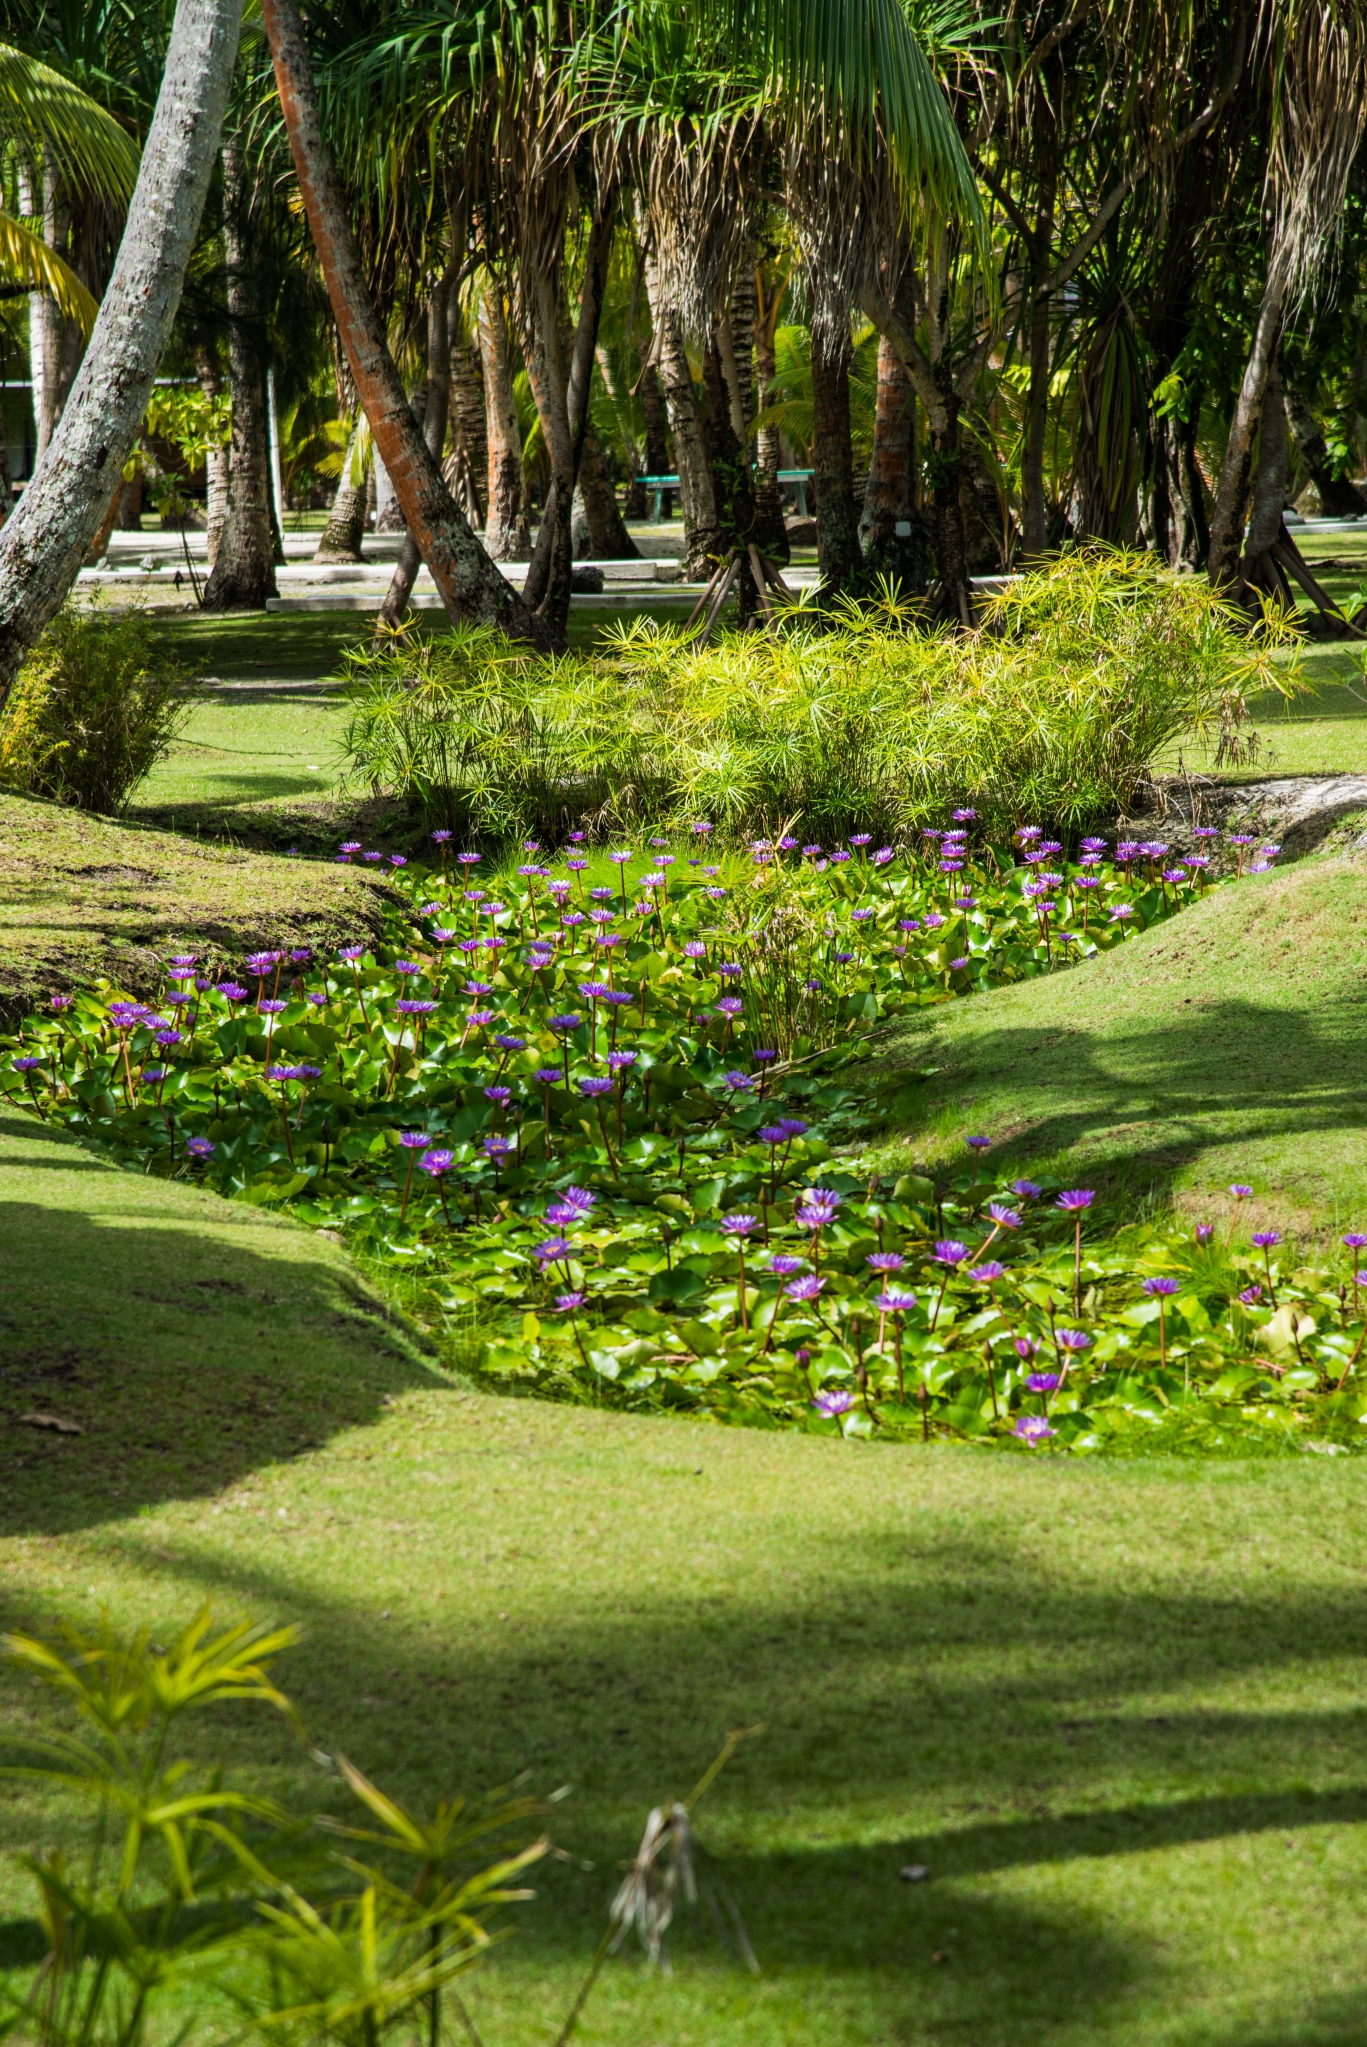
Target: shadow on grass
[[1146, 1097], [187, 1358], [862, 1717]]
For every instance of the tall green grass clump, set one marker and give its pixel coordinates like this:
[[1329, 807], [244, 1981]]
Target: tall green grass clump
[[95, 707], [1079, 675]]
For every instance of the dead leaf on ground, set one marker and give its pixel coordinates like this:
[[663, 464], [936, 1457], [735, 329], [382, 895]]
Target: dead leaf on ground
[[53, 1421]]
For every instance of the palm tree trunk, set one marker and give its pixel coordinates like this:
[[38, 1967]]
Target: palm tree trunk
[[506, 532], [771, 533], [892, 531], [341, 537], [608, 535], [1338, 494], [730, 469], [837, 519], [1040, 250], [54, 345], [471, 586], [466, 412], [703, 540], [43, 544], [1195, 548], [215, 460], [1232, 490], [436, 408], [562, 400], [1260, 570], [655, 418], [243, 573]]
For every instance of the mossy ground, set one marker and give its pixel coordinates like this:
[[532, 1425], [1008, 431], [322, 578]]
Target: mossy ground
[[83, 897]]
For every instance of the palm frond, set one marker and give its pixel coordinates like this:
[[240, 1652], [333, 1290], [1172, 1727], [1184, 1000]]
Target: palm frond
[[25, 258], [46, 114]]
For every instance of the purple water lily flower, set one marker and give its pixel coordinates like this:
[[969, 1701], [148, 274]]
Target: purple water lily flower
[[739, 1225], [1163, 1287], [1044, 1382], [949, 1251], [1032, 1428], [1075, 1200], [833, 1403]]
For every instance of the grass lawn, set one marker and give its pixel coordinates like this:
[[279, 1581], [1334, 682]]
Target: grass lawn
[[1223, 1046], [1117, 1708]]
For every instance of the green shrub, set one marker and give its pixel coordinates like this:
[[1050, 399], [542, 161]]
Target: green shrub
[[1054, 709], [95, 707]]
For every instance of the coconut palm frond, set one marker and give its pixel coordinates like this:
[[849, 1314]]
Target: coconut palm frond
[[47, 114], [25, 258]]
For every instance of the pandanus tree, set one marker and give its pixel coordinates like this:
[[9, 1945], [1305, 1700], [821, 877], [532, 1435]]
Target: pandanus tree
[[1313, 80]]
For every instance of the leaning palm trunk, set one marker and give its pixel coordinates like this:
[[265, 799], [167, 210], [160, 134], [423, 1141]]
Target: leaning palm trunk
[[42, 547], [471, 586], [243, 573], [341, 537], [507, 535], [436, 407]]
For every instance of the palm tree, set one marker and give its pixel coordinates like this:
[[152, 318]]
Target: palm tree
[[471, 586], [42, 546]]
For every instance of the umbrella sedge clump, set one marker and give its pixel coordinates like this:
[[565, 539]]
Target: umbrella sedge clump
[[633, 1173]]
